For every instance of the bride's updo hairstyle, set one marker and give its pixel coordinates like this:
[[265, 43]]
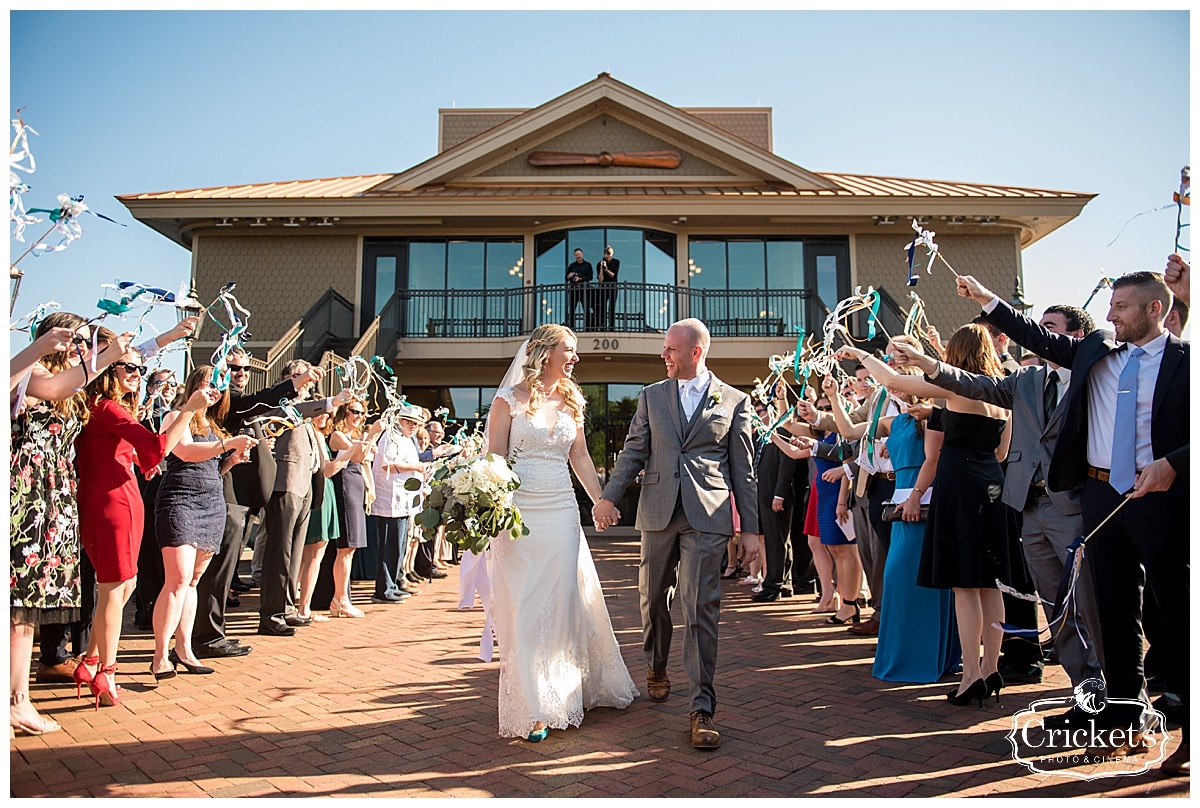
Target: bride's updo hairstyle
[[542, 342]]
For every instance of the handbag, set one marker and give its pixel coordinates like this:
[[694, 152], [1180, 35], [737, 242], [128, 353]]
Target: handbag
[[894, 512]]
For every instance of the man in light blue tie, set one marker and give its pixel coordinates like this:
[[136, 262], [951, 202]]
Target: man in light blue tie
[[1126, 438]]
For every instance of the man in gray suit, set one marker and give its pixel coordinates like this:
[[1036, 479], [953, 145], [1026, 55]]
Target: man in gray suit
[[692, 436], [1051, 519], [297, 457]]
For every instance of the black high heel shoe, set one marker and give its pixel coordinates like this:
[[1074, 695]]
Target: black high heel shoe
[[733, 574], [993, 684], [174, 659], [833, 619], [978, 691]]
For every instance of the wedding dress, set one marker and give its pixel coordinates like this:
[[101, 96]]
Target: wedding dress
[[558, 653]]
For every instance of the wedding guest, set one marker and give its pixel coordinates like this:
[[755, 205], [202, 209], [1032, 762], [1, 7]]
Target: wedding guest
[[189, 520], [607, 272], [161, 391], [970, 541], [297, 456], [110, 504], [1129, 451], [354, 492], [323, 524], [396, 461], [45, 555]]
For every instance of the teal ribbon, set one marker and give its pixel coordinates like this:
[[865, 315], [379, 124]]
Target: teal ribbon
[[873, 428], [872, 315]]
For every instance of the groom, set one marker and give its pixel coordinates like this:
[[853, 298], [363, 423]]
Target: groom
[[692, 436]]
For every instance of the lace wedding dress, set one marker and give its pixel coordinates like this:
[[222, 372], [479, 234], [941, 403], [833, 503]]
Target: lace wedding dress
[[558, 653]]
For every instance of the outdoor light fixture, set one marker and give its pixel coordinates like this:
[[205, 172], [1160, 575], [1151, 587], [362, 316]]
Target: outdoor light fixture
[[224, 223], [291, 222], [986, 220], [258, 223], [324, 222], [955, 220], [190, 306], [883, 220]]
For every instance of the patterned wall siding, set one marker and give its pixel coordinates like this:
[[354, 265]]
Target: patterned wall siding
[[278, 277], [598, 135], [751, 125], [994, 260], [458, 128]]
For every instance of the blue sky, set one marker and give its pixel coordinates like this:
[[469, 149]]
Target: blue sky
[[143, 101]]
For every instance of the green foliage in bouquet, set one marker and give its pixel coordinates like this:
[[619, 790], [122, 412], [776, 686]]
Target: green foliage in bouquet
[[473, 498]]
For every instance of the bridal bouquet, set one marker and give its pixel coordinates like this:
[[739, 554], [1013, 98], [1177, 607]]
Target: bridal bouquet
[[473, 498]]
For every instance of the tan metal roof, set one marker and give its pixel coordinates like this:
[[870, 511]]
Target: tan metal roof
[[850, 185]]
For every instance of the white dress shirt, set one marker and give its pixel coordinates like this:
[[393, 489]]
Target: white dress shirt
[[691, 390], [1102, 402], [391, 497]]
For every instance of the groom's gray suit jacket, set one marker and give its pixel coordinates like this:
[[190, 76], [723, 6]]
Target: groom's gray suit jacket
[[698, 462]]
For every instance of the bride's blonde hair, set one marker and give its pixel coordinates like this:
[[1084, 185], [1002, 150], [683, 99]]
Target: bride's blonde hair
[[542, 342]]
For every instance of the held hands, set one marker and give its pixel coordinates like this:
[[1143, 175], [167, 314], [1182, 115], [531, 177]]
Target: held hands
[[605, 514], [1178, 277], [969, 287]]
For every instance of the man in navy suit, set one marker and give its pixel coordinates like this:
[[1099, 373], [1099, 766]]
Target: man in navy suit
[[1126, 434]]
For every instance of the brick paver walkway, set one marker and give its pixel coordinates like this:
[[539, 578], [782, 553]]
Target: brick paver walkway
[[397, 704]]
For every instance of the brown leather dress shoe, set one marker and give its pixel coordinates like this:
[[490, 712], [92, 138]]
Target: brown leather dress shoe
[[658, 686], [1179, 764], [62, 672], [704, 732], [869, 628]]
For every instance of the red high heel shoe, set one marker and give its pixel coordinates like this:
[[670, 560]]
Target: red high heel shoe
[[83, 676], [103, 687]]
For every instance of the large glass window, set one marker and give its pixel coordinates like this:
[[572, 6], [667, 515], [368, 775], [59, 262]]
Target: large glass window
[[766, 286], [646, 256], [475, 269]]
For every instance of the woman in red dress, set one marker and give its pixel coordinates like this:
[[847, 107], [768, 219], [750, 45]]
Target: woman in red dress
[[111, 512]]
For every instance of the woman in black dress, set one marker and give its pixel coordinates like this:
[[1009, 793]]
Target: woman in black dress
[[969, 532], [351, 487]]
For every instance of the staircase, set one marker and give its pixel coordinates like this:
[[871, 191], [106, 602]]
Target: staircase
[[319, 337]]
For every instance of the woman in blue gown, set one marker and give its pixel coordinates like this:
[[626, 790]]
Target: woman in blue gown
[[918, 638]]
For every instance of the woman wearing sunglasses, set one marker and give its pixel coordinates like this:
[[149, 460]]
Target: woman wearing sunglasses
[[354, 491], [111, 512]]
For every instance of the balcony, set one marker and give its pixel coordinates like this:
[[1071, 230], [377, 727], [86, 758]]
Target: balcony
[[620, 308]]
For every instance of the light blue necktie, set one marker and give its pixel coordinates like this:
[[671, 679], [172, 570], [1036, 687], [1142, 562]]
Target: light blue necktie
[[1124, 443]]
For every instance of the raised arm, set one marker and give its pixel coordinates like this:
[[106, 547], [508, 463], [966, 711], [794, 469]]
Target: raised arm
[[49, 386], [991, 389], [896, 382], [1057, 348]]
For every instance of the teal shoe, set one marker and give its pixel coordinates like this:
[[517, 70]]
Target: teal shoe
[[538, 735]]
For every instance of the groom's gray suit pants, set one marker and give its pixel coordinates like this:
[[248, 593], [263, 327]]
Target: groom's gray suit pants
[[682, 561]]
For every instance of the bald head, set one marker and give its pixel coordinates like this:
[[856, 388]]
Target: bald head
[[685, 347]]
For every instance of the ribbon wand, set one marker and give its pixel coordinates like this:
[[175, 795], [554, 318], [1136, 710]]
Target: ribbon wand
[[1182, 197]]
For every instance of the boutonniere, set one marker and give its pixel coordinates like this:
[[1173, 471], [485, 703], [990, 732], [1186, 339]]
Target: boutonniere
[[714, 398]]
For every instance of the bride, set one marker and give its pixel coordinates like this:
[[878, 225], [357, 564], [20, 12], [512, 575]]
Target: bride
[[559, 655]]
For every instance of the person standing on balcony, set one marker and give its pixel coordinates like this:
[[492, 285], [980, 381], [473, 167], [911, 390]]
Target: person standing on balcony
[[606, 296], [579, 275]]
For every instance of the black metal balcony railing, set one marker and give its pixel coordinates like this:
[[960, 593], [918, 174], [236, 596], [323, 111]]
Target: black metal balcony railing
[[623, 308]]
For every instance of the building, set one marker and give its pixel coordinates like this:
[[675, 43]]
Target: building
[[445, 267]]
